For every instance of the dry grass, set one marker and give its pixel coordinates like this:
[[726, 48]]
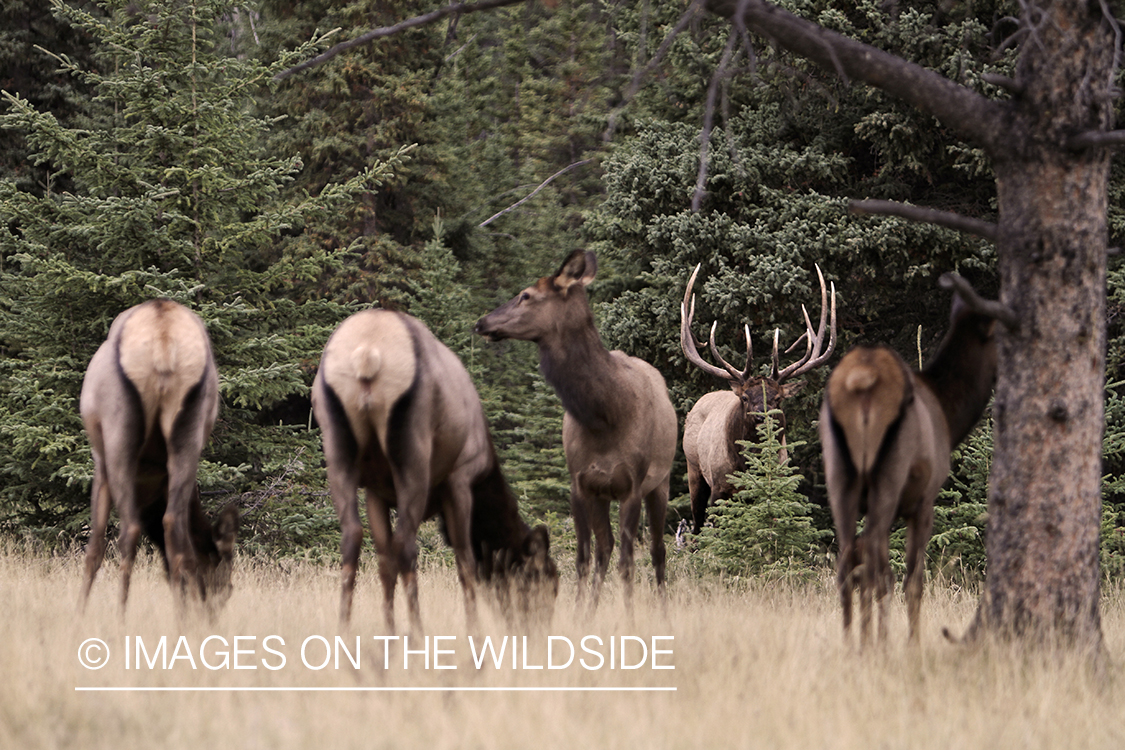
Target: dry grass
[[761, 666]]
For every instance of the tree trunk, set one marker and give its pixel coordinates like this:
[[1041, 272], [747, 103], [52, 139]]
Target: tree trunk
[[1045, 486]]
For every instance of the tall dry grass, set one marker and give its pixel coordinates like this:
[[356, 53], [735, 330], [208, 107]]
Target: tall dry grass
[[756, 665]]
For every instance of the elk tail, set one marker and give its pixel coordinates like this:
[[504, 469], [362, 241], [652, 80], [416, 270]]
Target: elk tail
[[367, 362], [868, 392]]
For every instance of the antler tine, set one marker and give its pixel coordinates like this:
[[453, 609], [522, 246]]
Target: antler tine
[[687, 339], [813, 356], [735, 373]]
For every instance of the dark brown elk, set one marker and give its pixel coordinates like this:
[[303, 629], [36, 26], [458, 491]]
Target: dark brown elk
[[720, 419], [149, 401], [399, 416], [887, 432], [619, 427]]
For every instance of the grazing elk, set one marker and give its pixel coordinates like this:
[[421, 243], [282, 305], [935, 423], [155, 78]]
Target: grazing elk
[[619, 427], [720, 419], [400, 417], [149, 401], [887, 433]]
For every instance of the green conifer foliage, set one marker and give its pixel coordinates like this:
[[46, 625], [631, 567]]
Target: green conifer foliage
[[176, 195], [767, 527]]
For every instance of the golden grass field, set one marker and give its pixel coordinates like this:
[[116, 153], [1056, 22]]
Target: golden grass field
[[756, 666]]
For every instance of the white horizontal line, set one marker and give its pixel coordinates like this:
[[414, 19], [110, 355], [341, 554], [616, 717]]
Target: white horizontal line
[[374, 689]]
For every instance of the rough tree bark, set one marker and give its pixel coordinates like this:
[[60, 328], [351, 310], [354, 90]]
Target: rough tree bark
[[1047, 147]]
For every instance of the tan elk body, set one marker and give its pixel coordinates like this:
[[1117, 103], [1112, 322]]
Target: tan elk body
[[619, 427], [722, 418], [149, 400], [887, 433], [401, 418]]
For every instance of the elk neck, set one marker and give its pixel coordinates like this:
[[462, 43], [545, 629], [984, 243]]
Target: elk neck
[[962, 373], [584, 375]]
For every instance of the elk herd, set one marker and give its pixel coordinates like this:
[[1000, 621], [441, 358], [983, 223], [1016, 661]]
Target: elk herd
[[400, 418]]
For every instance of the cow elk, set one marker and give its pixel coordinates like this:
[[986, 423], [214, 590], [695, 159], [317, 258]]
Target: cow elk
[[722, 418], [887, 433], [619, 427], [400, 417], [149, 400]]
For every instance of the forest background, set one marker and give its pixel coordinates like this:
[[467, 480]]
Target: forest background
[[150, 148]]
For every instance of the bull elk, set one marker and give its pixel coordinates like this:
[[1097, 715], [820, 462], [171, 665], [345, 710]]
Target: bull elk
[[400, 417], [149, 400], [720, 419], [887, 432], [619, 427]]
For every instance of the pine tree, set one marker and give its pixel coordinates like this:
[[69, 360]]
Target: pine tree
[[175, 195]]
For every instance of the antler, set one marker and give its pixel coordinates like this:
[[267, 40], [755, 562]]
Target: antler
[[813, 356], [691, 348], [814, 343]]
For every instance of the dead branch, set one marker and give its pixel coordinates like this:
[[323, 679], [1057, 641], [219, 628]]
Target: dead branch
[[708, 122], [1096, 139], [634, 86], [958, 107], [533, 193], [948, 219], [385, 31]]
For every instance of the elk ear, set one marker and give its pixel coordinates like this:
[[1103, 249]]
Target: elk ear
[[791, 388], [578, 268], [225, 531]]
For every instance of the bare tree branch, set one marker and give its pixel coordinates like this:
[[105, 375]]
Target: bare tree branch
[[533, 193], [708, 122], [947, 219], [693, 10], [1097, 139], [385, 31], [971, 115]]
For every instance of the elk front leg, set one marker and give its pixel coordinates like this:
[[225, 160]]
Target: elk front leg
[[582, 536], [629, 519], [603, 545]]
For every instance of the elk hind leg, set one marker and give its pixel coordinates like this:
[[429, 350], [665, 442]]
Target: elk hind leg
[[412, 496], [700, 493], [344, 489], [918, 530], [656, 503], [458, 516], [182, 562], [379, 520], [100, 501]]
